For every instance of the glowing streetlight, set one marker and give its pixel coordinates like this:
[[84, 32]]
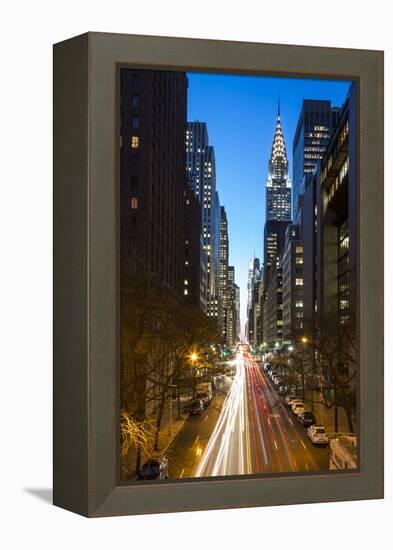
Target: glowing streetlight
[[193, 356], [304, 340], [290, 348]]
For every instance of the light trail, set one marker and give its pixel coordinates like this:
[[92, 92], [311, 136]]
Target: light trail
[[216, 458]]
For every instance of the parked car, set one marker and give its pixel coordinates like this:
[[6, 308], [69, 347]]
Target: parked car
[[306, 419], [154, 469], [318, 435], [204, 396], [196, 407], [289, 398], [297, 407]]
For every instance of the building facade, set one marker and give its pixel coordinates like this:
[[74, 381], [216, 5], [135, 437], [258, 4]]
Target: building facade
[[316, 121], [195, 276], [272, 310], [201, 174], [337, 222], [292, 283], [152, 165], [223, 283]]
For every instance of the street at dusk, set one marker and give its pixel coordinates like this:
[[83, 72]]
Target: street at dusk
[[239, 275], [254, 433]]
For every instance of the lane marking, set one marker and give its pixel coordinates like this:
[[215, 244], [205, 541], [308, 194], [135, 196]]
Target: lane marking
[[196, 441], [302, 442], [275, 444]]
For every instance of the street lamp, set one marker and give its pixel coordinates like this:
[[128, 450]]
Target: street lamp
[[193, 357], [304, 340], [290, 348]]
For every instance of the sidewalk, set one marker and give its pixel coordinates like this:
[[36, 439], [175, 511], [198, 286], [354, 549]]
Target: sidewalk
[[168, 433], [325, 416]]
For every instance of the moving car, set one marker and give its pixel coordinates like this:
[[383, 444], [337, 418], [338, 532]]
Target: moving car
[[318, 435], [297, 407], [196, 407], [306, 419], [154, 469]]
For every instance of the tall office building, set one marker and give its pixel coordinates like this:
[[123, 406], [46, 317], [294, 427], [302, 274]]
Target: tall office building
[[153, 185], [254, 275], [292, 283], [278, 217], [278, 184], [232, 308], [337, 219], [194, 280], [152, 165], [201, 174], [316, 121], [223, 286]]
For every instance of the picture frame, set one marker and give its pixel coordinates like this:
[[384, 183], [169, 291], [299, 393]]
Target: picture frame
[[86, 273]]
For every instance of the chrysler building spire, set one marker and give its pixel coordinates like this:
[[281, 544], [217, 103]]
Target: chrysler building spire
[[278, 185]]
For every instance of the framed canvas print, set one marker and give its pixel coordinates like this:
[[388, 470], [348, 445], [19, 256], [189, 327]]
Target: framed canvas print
[[218, 260]]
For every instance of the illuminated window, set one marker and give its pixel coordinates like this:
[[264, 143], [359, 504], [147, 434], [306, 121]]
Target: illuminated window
[[299, 259], [134, 203], [185, 292], [186, 282], [299, 282], [299, 250], [299, 303], [135, 142]]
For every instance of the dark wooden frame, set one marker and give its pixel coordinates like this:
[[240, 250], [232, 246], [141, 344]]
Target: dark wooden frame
[[86, 289]]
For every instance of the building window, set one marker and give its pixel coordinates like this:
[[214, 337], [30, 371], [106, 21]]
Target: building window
[[299, 282], [135, 101], [299, 259], [134, 182], [185, 292], [135, 142], [134, 203], [299, 250], [135, 121], [299, 303], [135, 79], [343, 272]]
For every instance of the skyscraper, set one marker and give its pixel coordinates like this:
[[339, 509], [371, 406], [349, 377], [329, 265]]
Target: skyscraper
[[254, 275], [201, 174], [278, 184], [316, 121], [278, 216], [152, 168], [223, 272]]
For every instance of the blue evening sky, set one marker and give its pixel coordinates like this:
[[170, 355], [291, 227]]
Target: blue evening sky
[[240, 112]]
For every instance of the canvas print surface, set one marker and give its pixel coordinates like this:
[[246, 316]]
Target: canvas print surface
[[238, 254]]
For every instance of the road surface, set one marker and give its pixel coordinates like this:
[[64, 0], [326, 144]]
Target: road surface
[[255, 432]]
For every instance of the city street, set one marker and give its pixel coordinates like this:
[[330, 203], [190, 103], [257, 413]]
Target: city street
[[253, 433]]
